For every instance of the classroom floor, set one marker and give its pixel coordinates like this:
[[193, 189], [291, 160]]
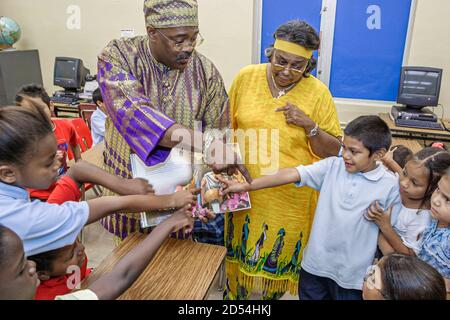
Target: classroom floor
[[99, 243]]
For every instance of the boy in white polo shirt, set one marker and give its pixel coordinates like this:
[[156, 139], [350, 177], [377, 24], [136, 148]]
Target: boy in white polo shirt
[[342, 242]]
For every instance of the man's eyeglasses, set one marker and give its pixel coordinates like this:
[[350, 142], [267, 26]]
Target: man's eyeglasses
[[278, 66], [179, 46]]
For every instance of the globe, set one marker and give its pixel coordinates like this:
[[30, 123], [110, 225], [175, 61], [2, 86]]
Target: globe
[[9, 32]]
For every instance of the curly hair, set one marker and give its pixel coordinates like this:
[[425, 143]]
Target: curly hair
[[301, 33]]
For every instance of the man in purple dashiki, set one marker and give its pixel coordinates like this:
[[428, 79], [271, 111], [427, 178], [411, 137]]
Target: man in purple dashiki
[[151, 86]]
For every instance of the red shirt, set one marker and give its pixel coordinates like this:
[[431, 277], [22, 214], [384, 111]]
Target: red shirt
[[65, 190], [65, 135], [57, 286]]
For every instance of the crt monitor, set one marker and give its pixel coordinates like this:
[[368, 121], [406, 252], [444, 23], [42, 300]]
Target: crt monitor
[[69, 73], [18, 68], [419, 87]]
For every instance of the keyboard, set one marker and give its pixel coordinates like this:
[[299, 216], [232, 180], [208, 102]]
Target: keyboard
[[64, 100], [419, 124]]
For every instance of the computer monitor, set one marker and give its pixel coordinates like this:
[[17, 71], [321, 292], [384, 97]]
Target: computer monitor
[[419, 87], [69, 73], [17, 68]]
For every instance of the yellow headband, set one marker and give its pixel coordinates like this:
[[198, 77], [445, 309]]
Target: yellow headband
[[293, 48]]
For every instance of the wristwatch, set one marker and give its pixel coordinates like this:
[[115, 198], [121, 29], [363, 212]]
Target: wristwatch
[[314, 131]]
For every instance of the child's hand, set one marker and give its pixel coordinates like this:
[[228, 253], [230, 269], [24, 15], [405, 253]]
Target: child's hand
[[204, 215], [182, 218], [232, 186], [388, 157], [379, 216], [60, 156], [136, 186], [185, 197]]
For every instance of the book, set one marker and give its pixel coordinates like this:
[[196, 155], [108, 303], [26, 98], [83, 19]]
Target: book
[[178, 173], [164, 177], [211, 198]]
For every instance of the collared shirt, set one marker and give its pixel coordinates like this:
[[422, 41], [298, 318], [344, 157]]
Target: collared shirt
[[435, 248], [98, 120], [410, 225], [41, 226], [343, 242]]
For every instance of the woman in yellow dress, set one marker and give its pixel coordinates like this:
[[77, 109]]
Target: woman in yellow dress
[[278, 97]]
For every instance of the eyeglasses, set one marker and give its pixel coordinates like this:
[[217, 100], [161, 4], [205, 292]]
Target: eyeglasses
[[280, 67], [369, 279], [179, 46]]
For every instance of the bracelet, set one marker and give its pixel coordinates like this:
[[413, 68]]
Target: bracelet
[[314, 131]]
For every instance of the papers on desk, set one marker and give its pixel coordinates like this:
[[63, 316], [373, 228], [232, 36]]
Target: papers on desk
[[164, 177], [89, 88]]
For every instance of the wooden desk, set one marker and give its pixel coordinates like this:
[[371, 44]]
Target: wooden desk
[[93, 155], [69, 108], [415, 133], [413, 145], [180, 270]]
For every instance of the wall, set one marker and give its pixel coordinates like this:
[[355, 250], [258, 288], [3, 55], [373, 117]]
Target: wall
[[226, 26], [430, 46]]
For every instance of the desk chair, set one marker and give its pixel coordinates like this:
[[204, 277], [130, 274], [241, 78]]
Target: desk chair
[[86, 110], [84, 133]]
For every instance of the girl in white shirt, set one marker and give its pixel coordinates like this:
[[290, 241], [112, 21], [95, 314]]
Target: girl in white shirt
[[417, 180]]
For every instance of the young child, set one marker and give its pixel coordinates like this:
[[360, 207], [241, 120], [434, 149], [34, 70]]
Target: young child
[[28, 160], [403, 277], [52, 269], [342, 242], [401, 154], [18, 277], [98, 118], [34, 96], [53, 266], [435, 249], [417, 180]]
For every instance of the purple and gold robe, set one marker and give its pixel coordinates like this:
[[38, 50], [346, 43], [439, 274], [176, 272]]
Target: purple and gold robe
[[143, 98]]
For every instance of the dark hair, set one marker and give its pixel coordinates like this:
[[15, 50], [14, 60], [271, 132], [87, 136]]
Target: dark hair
[[301, 33], [44, 260], [3, 230], [20, 132], [372, 131], [34, 91], [401, 154], [97, 96], [437, 161], [407, 277]]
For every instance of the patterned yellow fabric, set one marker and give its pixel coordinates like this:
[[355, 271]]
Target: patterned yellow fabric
[[171, 13], [265, 243]]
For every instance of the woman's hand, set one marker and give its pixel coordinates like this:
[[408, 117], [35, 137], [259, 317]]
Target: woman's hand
[[297, 117], [379, 216]]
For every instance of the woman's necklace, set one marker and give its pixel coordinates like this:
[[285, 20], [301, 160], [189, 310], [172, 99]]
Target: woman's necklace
[[281, 92]]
